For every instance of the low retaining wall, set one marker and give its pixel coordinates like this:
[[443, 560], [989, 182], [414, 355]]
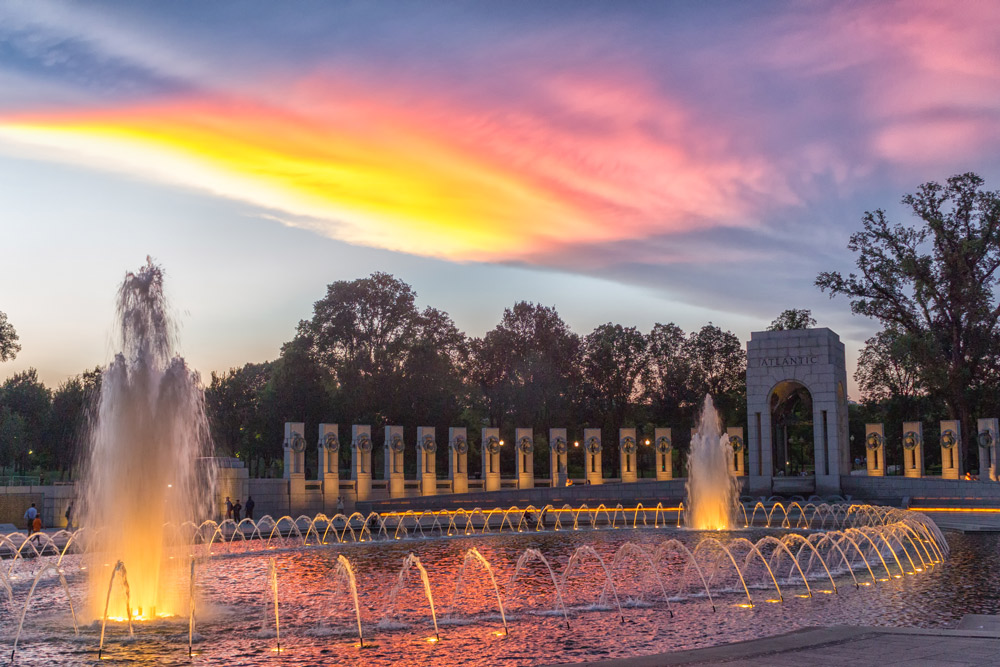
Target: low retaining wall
[[922, 491], [647, 492]]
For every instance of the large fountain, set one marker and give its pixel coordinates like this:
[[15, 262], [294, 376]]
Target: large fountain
[[712, 492], [148, 443], [525, 585]]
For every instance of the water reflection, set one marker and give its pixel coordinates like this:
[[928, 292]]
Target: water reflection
[[319, 621]]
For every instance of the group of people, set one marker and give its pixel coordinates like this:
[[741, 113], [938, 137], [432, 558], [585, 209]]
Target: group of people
[[235, 510], [33, 519]]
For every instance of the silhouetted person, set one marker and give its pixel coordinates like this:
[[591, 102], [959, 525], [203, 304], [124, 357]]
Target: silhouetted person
[[229, 508], [249, 507], [237, 508], [69, 517], [30, 516]]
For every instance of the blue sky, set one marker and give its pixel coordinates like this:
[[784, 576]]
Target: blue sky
[[626, 162]]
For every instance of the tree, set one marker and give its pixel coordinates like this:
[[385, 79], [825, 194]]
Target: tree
[[72, 403], [527, 367], [886, 369], [614, 360], [793, 318], [671, 392], [9, 347], [24, 395], [719, 368], [935, 283], [234, 404]]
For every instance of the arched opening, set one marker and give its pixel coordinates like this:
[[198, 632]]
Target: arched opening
[[793, 448]]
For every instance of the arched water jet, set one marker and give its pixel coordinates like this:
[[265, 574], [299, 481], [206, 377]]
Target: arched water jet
[[537, 555], [27, 602], [345, 570], [412, 560], [123, 577], [589, 550], [474, 555]]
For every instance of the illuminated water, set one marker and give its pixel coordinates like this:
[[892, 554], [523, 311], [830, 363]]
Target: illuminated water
[[578, 621], [148, 437], [712, 492]]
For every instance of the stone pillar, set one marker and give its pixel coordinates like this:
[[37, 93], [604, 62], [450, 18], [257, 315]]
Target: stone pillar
[[361, 461], [875, 449], [558, 453], [295, 447], [329, 463], [525, 458], [394, 456], [491, 459], [593, 465], [951, 437], [427, 460], [295, 470], [736, 442], [913, 449], [458, 460], [627, 458], [663, 442], [986, 435]]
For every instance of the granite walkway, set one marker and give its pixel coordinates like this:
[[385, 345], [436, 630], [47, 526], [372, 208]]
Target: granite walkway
[[975, 643]]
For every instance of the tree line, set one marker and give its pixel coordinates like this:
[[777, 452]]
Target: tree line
[[368, 355]]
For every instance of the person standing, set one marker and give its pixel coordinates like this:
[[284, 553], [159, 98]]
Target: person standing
[[249, 507], [340, 505], [237, 508], [69, 517], [30, 516], [229, 508]]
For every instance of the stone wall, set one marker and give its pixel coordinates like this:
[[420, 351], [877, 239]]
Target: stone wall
[[923, 491]]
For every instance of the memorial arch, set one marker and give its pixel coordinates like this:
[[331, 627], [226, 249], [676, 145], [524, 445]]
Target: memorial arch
[[797, 412]]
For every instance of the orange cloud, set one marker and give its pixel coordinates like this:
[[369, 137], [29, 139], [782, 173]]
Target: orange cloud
[[411, 171]]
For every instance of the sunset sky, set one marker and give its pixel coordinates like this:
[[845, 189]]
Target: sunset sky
[[622, 161]]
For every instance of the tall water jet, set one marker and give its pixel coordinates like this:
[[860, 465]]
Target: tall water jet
[[712, 492], [147, 446]]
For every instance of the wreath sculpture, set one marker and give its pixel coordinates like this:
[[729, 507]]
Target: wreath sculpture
[[948, 438], [910, 440], [663, 444], [874, 441], [332, 442], [594, 445]]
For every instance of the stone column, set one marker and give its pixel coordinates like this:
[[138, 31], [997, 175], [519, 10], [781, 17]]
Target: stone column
[[361, 461], [663, 442], [986, 435], [394, 456], [525, 458], [558, 452], [329, 463], [427, 460], [736, 457], [875, 449], [458, 460], [593, 465], [627, 458], [913, 449], [951, 437], [491, 459], [295, 448]]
